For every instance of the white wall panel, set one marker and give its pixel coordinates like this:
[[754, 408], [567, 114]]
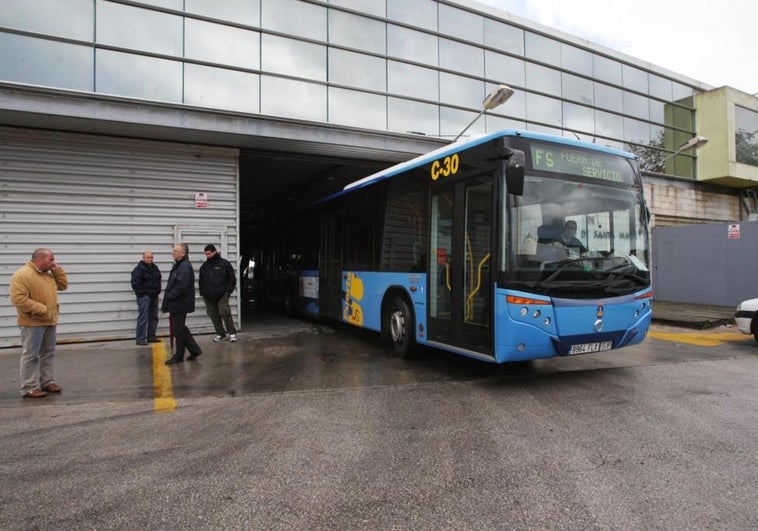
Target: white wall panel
[[98, 202]]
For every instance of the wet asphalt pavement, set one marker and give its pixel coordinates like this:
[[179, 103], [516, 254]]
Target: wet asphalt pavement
[[305, 426]]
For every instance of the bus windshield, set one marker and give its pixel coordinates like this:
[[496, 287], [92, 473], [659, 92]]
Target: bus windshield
[[575, 237]]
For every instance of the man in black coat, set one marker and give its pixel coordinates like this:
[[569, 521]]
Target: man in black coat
[[217, 282], [146, 283], [178, 301]]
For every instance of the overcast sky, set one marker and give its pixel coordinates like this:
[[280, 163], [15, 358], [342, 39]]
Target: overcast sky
[[711, 41]]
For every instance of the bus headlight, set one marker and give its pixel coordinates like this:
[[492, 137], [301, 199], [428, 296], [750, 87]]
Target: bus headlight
[[536, 314], [546, 321], [524, 311]]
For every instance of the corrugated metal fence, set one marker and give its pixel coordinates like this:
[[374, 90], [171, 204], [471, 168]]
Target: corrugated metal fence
[[98, 203]]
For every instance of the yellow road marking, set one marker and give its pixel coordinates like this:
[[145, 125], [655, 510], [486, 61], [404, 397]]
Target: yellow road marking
[[163, 392], [703, 339]]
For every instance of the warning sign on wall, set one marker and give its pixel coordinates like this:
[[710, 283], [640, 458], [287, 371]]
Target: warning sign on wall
[[201, 200], [734, 231]]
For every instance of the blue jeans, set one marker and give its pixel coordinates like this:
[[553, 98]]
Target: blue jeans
[[37, 354], [147, 319]]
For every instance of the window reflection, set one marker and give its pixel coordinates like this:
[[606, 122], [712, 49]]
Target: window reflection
[[411, 45], [609, 98], [206, 41], [421, 13], [461, 57], [149, 78], [577, 88], [505, 69], [608, 125], [543, 109], [73, 19], [461, 91], [636, 131], [295, 17], [293, 99], [543, 79], [606, 69], [576, 60], [746, 135], [496, 123], [542, 49], [240, 11], [634, 78], [41, 62], [294, 58], [357, 32], [358, 109], [206, 86], [405, 116], [139, 29], [503, 37], [660, 87], [453, 121], [578, 117], [636, 105], [408, 80], [357, 70], [515, 106], [461, 24], [366, 6]]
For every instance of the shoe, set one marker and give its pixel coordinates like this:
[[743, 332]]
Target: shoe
[[153, 340], [173, 360], [233, 338], [218, 338], [35, 393], [195, 356], [52, 388], [142, 343]]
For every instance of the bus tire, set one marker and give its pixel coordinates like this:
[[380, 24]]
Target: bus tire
[[399, 327]]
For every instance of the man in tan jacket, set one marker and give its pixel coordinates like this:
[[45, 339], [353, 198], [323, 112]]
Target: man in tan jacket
[[34, 292]]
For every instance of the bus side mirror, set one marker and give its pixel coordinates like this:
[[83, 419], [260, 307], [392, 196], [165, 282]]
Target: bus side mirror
[[514, 173]]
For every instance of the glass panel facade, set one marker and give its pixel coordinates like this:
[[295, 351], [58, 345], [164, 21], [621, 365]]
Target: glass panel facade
[[746, 135], [408, 80], [293, 58], [40, 62], [505, 69], [206, 86], [293, 99], [139, 29], [73, 19], [543, 79], [149, 78], [357, 32], [206, 41], [358, 109], [461, 57], [357, 70], [284, 69], [412, 45], [461, 24], [294, 17], [241, 11], [421, 13], [405, 116], [503, 37]]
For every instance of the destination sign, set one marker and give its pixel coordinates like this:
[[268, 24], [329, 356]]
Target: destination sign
[[575, 161]]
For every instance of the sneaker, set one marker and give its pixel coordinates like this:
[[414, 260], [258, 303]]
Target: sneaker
[[218, 338], [233, 338]]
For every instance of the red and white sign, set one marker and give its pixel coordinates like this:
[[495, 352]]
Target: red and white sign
[[734, 231], [201, 200]]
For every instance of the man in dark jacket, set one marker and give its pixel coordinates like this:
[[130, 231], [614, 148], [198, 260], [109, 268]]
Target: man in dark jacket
[[178, 301], [217, 282], [146, 283]]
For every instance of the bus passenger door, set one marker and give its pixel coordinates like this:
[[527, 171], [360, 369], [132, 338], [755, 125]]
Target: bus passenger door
[[460, 277], [330, 267]]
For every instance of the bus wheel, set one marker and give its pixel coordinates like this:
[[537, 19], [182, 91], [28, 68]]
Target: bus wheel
[[399, 324]]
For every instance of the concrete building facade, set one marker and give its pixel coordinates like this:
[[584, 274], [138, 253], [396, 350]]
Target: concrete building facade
[[127, 125]]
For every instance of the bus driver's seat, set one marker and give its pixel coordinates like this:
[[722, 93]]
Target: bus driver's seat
[[549, 248]]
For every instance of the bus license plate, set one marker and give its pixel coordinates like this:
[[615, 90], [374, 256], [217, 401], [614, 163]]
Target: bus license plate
[[585, 348]]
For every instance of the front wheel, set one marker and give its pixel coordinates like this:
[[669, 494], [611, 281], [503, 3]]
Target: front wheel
[[399, 327]]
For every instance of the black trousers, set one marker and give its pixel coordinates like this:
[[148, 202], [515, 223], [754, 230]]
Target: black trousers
[[183, 336]]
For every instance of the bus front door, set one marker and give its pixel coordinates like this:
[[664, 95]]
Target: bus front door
[[460, 278]]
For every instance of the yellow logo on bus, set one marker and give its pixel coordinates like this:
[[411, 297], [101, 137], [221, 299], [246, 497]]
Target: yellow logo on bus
[[445, 167], [351, 310]]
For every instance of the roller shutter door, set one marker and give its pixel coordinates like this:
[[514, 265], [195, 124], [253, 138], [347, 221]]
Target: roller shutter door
[[98, 203]]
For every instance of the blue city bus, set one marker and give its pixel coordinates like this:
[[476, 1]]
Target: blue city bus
[[507, 247]]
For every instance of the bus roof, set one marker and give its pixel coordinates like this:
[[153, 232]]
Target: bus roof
[[460, 145]]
